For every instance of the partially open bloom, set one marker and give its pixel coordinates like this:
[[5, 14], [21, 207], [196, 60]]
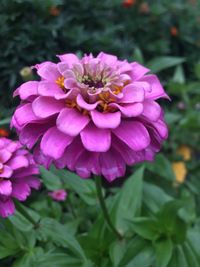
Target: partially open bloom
[[93, 115], [17, 175], [58, 195]]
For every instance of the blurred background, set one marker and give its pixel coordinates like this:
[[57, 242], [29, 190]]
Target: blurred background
[[161, 34]]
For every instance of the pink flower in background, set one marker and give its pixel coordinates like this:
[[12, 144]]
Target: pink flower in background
[[58, 195], [93, 115], [17, 175]]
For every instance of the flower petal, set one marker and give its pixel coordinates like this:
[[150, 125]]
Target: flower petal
[[112, 165], [44, 107], [134, 134], [49, 89], [83, 104], [132, 93], [27, 89], [106, 120], [138, 71], [129, 110], [24, 114], [152, 110], [21, 191], [54, 142], [7, 172], [5, 188], [71, 122], [107, 59], [7, 208], [18, 162], [157, 90], [95, 139], [69, 58], [5, 155], [49, 71]]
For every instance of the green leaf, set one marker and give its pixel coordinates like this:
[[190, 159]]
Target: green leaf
[[179, 76], [117, 251], [134, 248], [197, 70], [130, 199], [154, 197], [190, 256], [138, 56], [193, 239], [52, 230], [21, 222], [5, 252], [51, 181], [29, 259], [163, 248], [165, 62], [5, 121], [181, 259], [84, 188], [162, 167], [145, 227]]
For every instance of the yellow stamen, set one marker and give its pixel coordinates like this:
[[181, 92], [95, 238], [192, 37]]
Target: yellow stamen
[[60, 82]]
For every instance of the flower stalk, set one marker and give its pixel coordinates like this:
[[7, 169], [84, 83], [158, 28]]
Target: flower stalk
[[104, 208]]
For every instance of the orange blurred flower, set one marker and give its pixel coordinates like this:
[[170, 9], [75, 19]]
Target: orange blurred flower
[[144, 8], [174, 31], [128, 3], [180, 171], [185, 152], [54, 11], [4, 132]]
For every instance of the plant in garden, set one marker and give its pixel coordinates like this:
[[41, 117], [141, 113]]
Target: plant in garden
[[17, 175]]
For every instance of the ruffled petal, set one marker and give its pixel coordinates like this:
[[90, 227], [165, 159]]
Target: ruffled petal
[[69, 58], [71, 122], [112, 165], [132, 93], [129, 110], [54, 142], [161, 128], [138, 71], [44, 107], [5, 155], [5, 188], [27, 89], [107, 59], [152, 110], [95, 139], [134, 134], [24, 114], [49, 89], [18, 162], [106, 120], [81, 102], [49, 72], [157, 90], [7, 208], [7, 172], [21, 191]]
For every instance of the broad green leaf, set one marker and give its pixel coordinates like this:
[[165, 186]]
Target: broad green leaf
[[129, 200], [145, 227], [181, 259], [84, 188], [193, 239], [117, 251], [51, 181], [52, 230], [29, 259], [163, 248], [145, 258], [165, 62], [134, 248], [21, 222], [5, 252], [154, 197], [190, 256], [58, 260]]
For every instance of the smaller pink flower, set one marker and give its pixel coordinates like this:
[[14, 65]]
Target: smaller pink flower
[[58, 195], [17, 175]]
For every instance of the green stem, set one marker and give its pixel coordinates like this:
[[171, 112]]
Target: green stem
[[23, 211], [104, 208]]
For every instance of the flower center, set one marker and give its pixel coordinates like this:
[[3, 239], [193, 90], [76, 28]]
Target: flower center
[[60, 82], [92, 83]]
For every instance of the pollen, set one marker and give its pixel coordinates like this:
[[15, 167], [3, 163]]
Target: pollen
[[60, 82]]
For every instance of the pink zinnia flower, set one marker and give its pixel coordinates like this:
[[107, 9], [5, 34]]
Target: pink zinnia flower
[[17, 175], [91, 115], [58, 195]]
